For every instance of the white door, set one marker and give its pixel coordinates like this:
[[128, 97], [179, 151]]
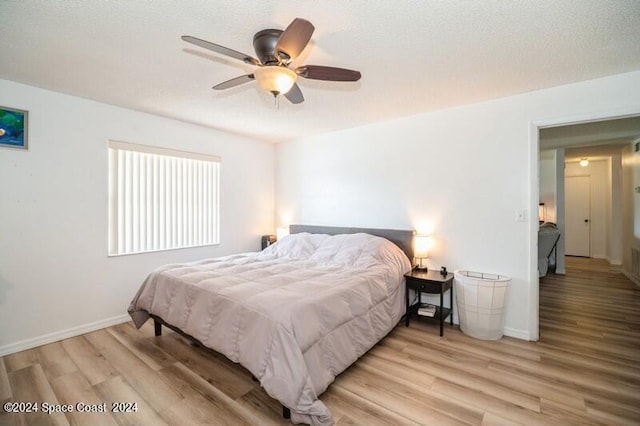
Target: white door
[[577, 218]]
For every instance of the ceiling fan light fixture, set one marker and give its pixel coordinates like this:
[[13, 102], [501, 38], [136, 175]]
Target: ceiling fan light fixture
[[275, 79], [276, 49]]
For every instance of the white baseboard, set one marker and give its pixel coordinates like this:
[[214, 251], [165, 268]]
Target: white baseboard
[[518, 334], [62, 334], [613, 262]]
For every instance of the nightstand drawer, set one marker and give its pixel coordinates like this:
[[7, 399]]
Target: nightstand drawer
[[425, 287]]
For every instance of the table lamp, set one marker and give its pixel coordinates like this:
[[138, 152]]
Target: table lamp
[[421, 245]]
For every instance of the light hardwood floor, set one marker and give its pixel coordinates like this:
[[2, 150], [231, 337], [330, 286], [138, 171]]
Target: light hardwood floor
[[584, 370]]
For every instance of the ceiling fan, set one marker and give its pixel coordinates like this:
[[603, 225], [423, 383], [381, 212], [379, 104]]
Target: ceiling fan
[[276, 49]]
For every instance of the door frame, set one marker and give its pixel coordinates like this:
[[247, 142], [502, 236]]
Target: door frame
[[534, 192]]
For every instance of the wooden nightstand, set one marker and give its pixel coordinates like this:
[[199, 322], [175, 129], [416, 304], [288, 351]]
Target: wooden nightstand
[[432, 282]]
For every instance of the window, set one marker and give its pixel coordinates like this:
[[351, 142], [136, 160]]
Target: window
[[161, 199]]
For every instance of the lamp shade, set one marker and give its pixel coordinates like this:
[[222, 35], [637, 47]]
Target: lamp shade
[[275, 79], [421, 245], [541, 216], [281, 232]]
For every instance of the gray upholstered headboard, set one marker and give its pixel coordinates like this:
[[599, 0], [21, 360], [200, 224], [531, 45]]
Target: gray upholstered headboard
[[401, 238]]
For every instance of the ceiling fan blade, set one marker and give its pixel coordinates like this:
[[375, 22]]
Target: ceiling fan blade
[[294, 94], [233, 82], [221, 49], [295, 37], [319, 72]]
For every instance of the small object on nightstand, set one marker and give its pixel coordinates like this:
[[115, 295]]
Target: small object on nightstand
[[443, 271]]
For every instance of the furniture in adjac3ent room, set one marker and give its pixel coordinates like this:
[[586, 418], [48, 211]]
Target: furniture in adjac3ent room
[[548, 236]]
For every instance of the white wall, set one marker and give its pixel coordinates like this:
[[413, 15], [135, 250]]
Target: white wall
[[560, 211], [548, 183], [614, 254], [631, 208], [598, 201], [55, 276], [461, 174], [635, 172]]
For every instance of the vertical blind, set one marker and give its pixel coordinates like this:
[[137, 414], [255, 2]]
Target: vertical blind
[[161, 199]]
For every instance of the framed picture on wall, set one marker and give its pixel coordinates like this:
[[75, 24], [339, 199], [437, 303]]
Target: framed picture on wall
[[13, 128]]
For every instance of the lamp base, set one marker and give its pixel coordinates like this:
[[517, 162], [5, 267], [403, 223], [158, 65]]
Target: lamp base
[[421, 266]]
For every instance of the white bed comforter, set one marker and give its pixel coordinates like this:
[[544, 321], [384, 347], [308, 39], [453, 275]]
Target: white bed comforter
[[295, 315]]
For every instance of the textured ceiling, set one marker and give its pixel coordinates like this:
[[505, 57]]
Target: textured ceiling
[[415, 56]]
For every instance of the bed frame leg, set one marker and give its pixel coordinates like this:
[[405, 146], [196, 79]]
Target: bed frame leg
[[157, 327], [286, 413]]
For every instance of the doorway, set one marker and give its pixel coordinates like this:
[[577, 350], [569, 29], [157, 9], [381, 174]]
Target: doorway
[[557, 143], [577, 216]]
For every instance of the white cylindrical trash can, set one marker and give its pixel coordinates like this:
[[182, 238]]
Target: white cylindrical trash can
[[481, 300]]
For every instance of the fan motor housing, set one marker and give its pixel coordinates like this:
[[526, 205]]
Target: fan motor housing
[[264, 43]]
